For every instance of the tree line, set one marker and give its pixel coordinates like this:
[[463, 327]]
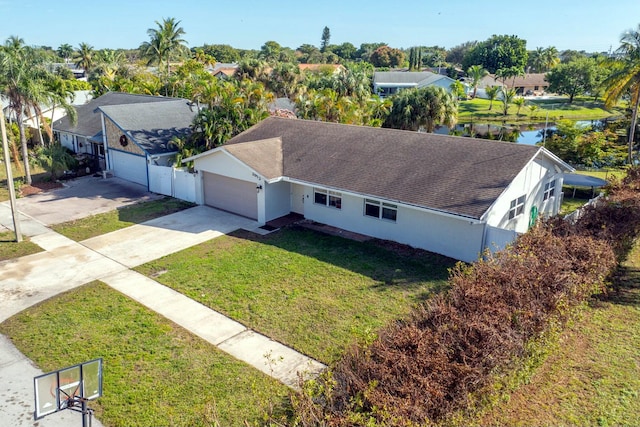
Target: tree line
[[338, 92]]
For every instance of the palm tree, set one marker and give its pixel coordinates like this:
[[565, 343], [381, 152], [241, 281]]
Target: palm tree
[[550, 58], [519, 102], [65, 51], [476, 73], [164, 42], [507, 98], [85, 57], [492, 94], [424, 108], [625, 79], [25, 82]]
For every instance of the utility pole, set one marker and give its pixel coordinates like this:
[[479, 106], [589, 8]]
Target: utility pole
[[12, 190]]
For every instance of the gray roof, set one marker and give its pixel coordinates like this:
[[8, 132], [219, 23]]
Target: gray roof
[[461, 176], [153, 125], [89, 124], [405, 78]]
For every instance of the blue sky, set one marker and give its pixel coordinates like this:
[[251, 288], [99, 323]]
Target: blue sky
[[591, 25]]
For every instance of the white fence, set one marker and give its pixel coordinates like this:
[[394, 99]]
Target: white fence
[[178, 183], [498, 238]]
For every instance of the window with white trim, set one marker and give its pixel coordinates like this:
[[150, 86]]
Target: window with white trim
[[380, 210], [516, 207], [549, 190], [327, 198]]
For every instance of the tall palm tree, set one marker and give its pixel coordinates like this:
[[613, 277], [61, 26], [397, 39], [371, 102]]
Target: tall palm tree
[[24, 81], [164, 41], [476, 73], [624, 79], [85, 57], [550, 57], [65, 51]]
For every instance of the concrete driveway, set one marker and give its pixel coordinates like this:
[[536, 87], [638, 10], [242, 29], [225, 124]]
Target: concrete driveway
[[82, 197], [66, 264]]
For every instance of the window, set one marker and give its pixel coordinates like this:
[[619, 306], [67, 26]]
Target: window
[[380, 210], [549, 190], [327, 198], [517, 207]]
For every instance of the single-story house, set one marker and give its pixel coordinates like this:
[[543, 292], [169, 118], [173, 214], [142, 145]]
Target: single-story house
[[529, 84], [450, 195], [138, 135], [86, 136], [387, 83]]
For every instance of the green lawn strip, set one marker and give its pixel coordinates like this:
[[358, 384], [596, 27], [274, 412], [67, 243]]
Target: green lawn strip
[[593, 377], [605, 174], [126, 216], [570, 204], [155, 373], [313, 292], [10, 249], [580, 109]]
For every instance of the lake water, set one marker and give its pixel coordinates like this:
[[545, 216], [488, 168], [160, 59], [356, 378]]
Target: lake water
[[530, 134]]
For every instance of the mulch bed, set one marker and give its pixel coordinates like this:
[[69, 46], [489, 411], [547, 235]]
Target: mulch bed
[[38, 187]]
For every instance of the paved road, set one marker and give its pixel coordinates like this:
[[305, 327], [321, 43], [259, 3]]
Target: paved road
[[66, 264]]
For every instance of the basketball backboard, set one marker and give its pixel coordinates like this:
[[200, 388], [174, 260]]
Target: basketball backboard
[[62, 389]]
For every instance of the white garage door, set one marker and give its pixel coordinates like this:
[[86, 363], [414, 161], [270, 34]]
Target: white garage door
[[128, 166], [231, 195]]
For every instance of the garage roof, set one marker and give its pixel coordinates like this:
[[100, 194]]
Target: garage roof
[[153, 125], [463, 176], [89, 124]]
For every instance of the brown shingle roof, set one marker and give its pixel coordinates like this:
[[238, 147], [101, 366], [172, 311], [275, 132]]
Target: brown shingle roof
[[462, 176]]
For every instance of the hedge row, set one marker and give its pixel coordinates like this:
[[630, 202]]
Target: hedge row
[[421, 370]]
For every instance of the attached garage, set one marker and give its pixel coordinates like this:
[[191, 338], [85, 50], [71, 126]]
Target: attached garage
[[129, 166], [230, 194]]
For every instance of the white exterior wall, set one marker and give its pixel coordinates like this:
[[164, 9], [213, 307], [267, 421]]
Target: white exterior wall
[[66, 140], [457, 238], [530, 182], [277, 198]]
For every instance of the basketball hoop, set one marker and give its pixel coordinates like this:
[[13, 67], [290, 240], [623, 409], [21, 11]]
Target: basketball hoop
[[69, 388]]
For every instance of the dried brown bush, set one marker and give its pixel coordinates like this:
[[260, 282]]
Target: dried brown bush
[[422, 369]]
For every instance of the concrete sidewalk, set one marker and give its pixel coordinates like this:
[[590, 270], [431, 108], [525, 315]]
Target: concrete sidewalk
[[66, 264]]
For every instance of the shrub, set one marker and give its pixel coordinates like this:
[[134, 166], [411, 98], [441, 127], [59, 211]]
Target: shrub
[[423, 369]]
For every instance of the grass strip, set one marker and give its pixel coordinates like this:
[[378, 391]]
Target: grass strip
[[126, 216], [10, 249]]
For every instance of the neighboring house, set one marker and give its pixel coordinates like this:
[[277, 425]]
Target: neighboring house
[[387, 83], [86, 136], [138, 135], [223, 70], [529, 84], [450, 195]]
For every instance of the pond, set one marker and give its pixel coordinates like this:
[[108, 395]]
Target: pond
[[530, 133]]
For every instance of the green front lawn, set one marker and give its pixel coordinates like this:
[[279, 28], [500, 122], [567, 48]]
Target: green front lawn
[[155, 373], [126, 216], [313, 292], [10, 249]]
